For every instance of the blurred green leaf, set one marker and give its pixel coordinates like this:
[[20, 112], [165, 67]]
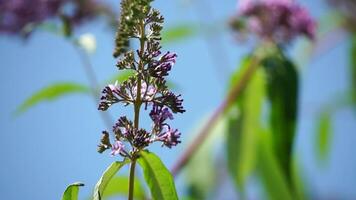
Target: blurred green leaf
[[119, 186], [282, 87], [235, 77], [106, 177], [244, 123], [71, 193], [120, 77], [299, 188], [270, 172], [353, 68], [178, 33], [323, 137], [50, 27], [159, 179], [51, 93]]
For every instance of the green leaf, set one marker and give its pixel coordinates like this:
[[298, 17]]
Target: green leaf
[[282, 87], [178, 33], [50, 27], [299, 188], [245, 63], [157, 176], [243, 129], [353, 68], [51, 93], [323, 138], [120, 77], [119, 185], [106, 177], [71, 193], [276, 184]]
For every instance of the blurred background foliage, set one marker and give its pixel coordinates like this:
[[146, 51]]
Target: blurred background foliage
[[288, 134]]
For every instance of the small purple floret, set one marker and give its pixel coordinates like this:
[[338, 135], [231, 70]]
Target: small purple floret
[[117, 148], [159, 114], [170, 138]]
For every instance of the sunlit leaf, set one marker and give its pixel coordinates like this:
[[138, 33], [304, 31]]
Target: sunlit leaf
[[51, 93], [243, 126], [323, 138], [120, 77], [119, 186], [178, 33], [282, 87], [245, 63], [276, 184], [71, 193], [158, 178], [299, 187], [106, 177]]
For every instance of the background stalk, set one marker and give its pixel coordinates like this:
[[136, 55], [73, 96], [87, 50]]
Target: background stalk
[[234, 93]]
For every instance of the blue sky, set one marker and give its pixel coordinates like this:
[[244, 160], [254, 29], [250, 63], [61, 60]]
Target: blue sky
[[54, 144]]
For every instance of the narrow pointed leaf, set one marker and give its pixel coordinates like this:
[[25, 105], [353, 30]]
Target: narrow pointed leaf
[[244, 123], [159, 179], [282, 88], [51, 93], [106, 177], [276, 184], [120, 77], [71, 193], [178, 33], [119, 186], [299, 187]]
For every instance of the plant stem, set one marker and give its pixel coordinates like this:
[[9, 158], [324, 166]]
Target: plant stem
[[132, 178], [234, 93], [137, 106]]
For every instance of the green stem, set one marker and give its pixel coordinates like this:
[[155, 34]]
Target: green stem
[[132, 179], [137, 106]]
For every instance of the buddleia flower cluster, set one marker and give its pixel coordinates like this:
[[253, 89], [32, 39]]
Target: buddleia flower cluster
[[145, 89], [19, 17], [279, 21]]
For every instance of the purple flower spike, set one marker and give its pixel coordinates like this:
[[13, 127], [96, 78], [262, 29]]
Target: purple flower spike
[[145, 87], [118, 148], [170, 138]]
